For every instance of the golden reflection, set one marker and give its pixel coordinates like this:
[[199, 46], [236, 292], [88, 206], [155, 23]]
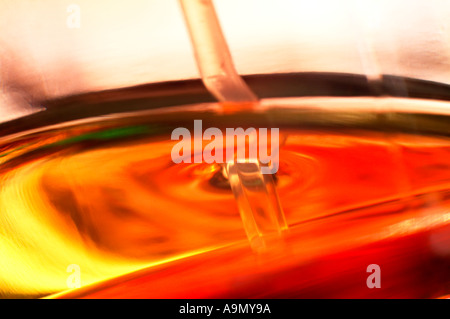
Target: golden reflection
[[90, 195]]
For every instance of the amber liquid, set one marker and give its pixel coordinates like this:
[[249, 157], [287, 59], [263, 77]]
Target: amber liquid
[[356, 187]]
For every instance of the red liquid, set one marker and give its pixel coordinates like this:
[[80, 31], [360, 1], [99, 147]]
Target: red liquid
[[140, 226]]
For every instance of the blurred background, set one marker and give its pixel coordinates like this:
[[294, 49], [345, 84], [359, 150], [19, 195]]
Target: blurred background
[[145, 41]]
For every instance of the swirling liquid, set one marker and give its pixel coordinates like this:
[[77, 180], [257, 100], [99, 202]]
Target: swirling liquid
[[357, 188]]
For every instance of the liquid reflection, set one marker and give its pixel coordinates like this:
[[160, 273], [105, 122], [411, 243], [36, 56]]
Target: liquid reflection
[[106, 196]]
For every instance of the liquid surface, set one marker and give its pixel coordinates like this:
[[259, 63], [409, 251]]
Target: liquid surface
[[105, 195]]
